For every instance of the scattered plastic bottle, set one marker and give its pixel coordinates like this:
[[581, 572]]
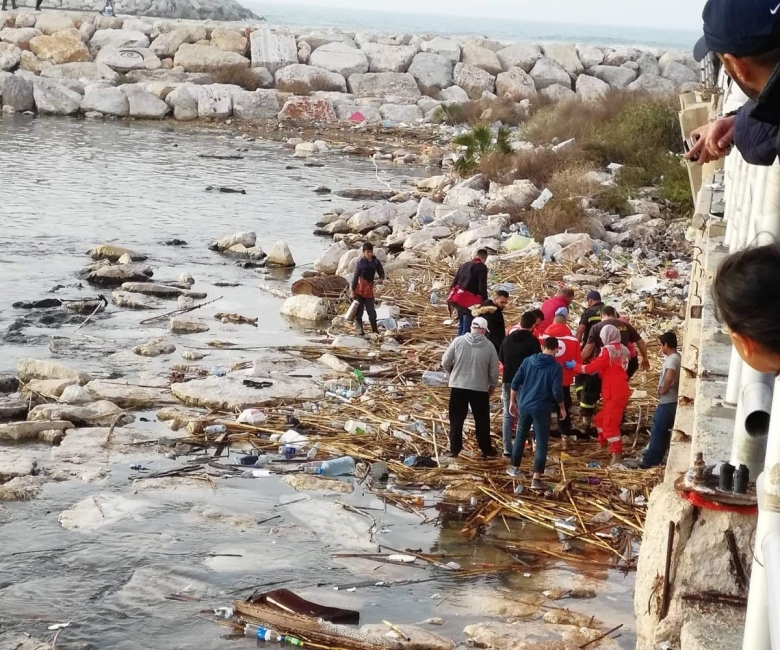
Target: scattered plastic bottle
[[432, 378], [410, 461], [338, 467], [218, 371], [356, 427], [262, 633], [434, 297], [215, 428], [313, 451]]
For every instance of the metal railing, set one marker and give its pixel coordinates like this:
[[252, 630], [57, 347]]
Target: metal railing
[[752, 216]]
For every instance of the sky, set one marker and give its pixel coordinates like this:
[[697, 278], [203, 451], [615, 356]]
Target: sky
[[669, 14]]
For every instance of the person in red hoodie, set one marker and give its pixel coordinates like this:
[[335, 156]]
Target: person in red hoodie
[[568, 350], [550, 306], [611, 366]]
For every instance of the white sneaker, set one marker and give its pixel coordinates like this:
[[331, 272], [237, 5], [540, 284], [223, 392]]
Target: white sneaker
[[514, 472]]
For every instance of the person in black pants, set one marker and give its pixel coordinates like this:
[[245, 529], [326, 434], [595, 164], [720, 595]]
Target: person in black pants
[[368, 267], [472, 363], [13, 5]]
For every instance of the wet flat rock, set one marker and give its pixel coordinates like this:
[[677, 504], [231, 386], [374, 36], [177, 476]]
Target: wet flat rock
[[13, 406], [132, 300], [126, 395], [17, 431], [226, 393], [305, 482], [416, 637], [28, 369], [100, 413], [161, 290]]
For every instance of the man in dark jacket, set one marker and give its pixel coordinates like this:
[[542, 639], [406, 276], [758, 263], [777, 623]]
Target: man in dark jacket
[[538, 382], [367, 269], [472, 277], [588, 387], [745, 36], [515, 349], [493, 312]]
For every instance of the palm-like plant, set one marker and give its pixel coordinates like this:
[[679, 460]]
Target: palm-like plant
[[479, 142]]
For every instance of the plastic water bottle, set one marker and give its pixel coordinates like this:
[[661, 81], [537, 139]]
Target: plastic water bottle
[[313, 451], [434, 297], [431, 378], [288, 451], [215, 428], [356, 427], [262, 633], [338, 467], [313, 467]]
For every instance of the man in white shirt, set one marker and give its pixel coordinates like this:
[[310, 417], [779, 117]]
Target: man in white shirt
[[666, 411]]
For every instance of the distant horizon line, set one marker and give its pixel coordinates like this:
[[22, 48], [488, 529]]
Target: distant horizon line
[[456, 15]]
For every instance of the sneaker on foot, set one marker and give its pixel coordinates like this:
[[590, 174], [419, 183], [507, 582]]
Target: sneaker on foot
[[537, 484], [507, 454], [452, 455], [514, 472], [491, 453]]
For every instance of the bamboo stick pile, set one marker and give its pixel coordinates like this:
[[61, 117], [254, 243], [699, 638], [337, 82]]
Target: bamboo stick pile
[[589, 504]]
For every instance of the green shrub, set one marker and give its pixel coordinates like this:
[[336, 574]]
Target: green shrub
[[479, 144]]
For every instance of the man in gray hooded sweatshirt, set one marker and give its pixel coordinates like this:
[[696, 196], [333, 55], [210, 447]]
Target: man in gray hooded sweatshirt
[[472, 363]]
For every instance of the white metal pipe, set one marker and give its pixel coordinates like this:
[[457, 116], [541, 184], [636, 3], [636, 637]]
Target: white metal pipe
[[757, 630], [771, 550], [768, 226], [758, 190], [737, 241], [728, 193], [735, 378], [746, 206], [753, 411]]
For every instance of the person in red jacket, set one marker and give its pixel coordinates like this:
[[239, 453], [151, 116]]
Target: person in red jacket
[[568, 350], [550, 306], [611, 367]]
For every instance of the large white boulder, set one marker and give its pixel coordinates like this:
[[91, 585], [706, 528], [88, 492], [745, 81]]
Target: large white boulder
[[617, 78], [480, 57], [454, 95], [328, 262], [119, 38], [648, 64], [215, 102], [444, 46], [51, 22], [473, 80], [20, 37], [565, 55], [246, 239], [590, 55], [307, 110], [401, 113], [255, 106], [29, 369], [109, 101], [381, 84], [10, 56], [127, 59], [679, 73], [520, 55], [433, 72], [167, 44], [138, 25], [302, 79], [271, 50], [305, 307], [319, 38], [515, 83], [591, 89], [84, 72], [280, 255], [340, 58], [379, 215], [467, 238], [51, 98], [184, 102], [143, 104], [519, 195], [619, 55], [653, 84], [388, 58], [18, 93], [547, 72], [229, 394], [559, 93], [205, 58]]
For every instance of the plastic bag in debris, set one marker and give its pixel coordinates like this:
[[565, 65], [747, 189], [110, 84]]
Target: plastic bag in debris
[[76, 395], [544, 197], [291, 437], [257, 370], [252, 416], [603, 517], [517, 243]]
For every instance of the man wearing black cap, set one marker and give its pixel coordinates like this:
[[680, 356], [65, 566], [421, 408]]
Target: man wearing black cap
[[745, 36]]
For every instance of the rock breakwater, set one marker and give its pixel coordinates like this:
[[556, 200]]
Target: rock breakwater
[[99, 66]]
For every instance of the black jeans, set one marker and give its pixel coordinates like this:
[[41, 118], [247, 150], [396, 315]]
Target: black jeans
[[564, 426], [5, 4], [633, 366], [365, 304], [460, 400]]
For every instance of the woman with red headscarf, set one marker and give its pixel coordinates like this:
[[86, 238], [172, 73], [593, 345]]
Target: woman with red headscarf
[[611, 367]]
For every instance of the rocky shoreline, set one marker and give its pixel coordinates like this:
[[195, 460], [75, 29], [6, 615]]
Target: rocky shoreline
[[82, 64]]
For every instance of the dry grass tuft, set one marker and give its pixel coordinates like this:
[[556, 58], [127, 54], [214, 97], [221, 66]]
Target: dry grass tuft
[[244, 77], [316, 83], [505, 111], [559, 215]]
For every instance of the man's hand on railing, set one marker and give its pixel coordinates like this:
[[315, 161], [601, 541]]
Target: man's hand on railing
[[714, 140]]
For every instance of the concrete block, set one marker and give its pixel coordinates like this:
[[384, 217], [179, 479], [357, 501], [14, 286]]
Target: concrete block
[[700, 635]]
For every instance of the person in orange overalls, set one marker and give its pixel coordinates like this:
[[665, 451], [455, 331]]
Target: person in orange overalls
[[611, 367]]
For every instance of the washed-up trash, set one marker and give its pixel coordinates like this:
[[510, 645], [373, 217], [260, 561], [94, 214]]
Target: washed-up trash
[[603, 517], [344, 466], [454, 566], [246, 460], [517, 242], [433, 378], [288, 601], [288, 451], [218, 371], [59, 626], [569, 524], [252, 416], [312, 453], [378, 471], [258, 370], [406, 559], [215, 429], [356, 427], [224, 612], [543, 199], [261, 473], [644, 284], [291, 437]]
